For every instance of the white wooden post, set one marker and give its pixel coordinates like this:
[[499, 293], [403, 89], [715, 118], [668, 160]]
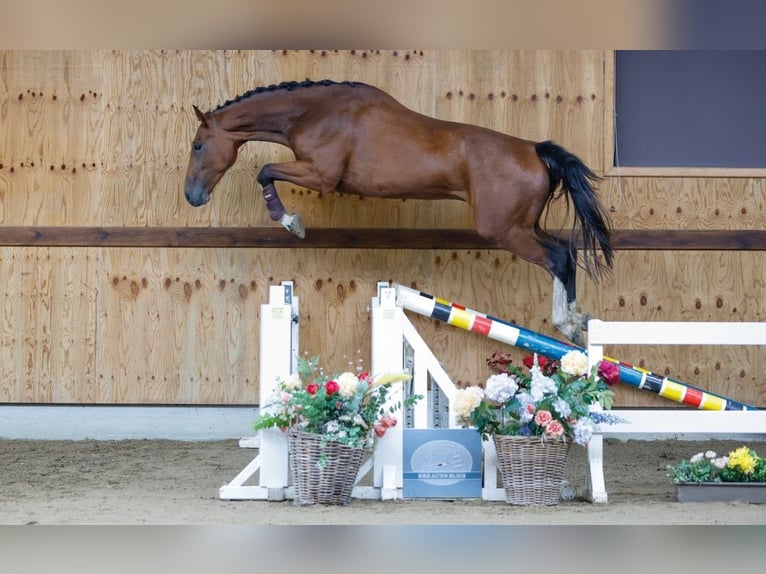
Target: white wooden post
[[278, 358], [388, 355], [276, 362]]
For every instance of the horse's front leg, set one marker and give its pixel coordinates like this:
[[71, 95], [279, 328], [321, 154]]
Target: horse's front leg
[[290, 221], [298, 172]]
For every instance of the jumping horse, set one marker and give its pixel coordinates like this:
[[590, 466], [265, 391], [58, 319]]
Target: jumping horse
[[354, 138]]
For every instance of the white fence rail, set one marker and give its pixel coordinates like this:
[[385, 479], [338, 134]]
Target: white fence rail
[[680, 423]]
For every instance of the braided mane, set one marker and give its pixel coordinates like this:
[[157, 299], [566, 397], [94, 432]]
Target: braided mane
[[287, 86]]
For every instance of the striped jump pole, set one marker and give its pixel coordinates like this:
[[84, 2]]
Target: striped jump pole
[[508, 333]]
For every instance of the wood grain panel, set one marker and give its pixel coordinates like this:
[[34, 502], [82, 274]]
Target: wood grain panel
[[47, 325], [101, 165]]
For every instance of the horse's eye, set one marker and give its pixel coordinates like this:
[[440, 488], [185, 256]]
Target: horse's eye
[[196, 146]]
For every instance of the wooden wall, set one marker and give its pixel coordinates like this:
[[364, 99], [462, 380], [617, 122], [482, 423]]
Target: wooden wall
[[101, 139]]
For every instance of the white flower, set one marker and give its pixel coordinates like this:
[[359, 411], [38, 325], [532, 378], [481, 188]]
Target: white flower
[[583, 430], [332, 427], [525, 400], [562, 407], [697, 457], [721, 462], [292, 382], [575, 363], [348, 384], [500, 387], [710, 454], [541, 385], [466, 400]]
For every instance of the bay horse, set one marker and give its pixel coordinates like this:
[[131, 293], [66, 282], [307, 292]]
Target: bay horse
[[354, 138]]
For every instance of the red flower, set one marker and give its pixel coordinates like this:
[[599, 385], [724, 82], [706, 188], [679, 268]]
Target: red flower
[[312, 388], [366, 377], [609, 372], [331, 387], [529, 361]]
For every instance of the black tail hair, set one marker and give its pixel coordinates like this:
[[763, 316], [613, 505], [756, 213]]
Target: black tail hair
[[577, 182]]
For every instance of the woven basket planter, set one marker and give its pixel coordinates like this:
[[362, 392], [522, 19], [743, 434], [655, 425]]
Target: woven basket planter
[[331, 484], [532, 469]]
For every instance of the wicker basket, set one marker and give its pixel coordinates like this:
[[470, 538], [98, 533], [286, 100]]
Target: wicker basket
[[331, 484], [532, 469]]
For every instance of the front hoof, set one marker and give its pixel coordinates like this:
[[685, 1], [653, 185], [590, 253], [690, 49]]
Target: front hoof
[[293, 224]]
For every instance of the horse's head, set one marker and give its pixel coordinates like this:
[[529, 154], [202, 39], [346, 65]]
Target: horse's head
[[212, 153]]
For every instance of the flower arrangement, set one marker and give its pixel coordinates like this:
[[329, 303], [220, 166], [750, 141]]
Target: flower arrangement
[[554, 400], [346, 408], [740, 465]]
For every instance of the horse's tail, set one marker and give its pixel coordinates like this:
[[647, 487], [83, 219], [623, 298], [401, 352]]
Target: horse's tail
[[577, 181]]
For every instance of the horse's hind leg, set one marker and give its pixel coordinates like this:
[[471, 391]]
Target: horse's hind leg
[[566, 314], [559, 259]]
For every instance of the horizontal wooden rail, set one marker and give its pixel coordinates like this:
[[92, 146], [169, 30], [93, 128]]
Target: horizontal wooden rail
[[361, 238]]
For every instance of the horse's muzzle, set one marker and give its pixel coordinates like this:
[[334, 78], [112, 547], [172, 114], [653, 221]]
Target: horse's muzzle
[[196, 197]]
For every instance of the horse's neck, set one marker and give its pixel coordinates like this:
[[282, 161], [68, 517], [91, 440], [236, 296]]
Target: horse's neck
[[268, 117]]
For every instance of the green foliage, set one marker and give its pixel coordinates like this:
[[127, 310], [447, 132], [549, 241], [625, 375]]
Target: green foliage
[[740, 465], [554, 400], [347, 408]]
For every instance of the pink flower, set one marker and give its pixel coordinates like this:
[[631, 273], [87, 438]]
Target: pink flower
[[331, 387], [554, 428], [530, 408], [609, 372], [380, 429], [388, 421], [312, 388], [543, 418]]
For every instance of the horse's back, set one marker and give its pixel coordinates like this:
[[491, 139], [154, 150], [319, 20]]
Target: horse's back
[[397, 151]]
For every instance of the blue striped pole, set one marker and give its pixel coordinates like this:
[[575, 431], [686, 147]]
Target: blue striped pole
[[499, 330]]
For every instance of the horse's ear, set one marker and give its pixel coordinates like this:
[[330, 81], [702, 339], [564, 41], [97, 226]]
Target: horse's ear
[[200, 116]]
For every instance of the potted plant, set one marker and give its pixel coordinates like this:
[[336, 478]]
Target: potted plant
[[331, 421], [533, 417], [707, 477]]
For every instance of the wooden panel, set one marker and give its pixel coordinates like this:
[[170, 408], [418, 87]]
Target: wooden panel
[[48, 317], [177, 326], [122, 121], [102, 164], [103, 325]]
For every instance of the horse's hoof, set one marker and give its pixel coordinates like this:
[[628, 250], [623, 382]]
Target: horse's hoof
[[572, 333], [293, 224]]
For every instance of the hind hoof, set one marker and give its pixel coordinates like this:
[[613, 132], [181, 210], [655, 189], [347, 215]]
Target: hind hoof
[[293, 224], [573, 333]]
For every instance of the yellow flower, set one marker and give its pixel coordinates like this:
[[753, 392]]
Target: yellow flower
[[389, 377], [742, 460]]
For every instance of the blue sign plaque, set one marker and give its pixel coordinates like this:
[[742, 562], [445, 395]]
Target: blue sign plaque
[[442, 463]]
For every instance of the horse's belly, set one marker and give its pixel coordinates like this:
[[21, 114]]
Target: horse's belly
[[394, 189]]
